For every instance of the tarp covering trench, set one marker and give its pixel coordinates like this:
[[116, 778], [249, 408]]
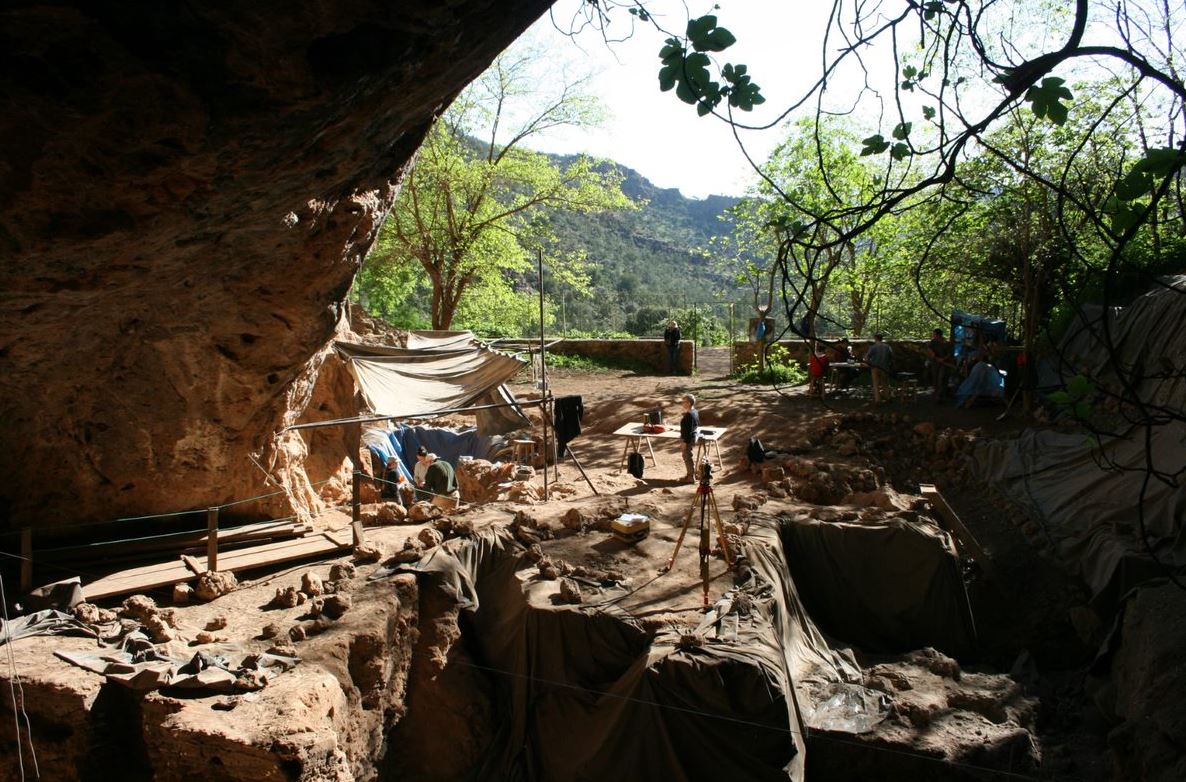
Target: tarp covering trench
[[590, 694], [889, 585], [436, 373], [1086, 490], [1086, 496]]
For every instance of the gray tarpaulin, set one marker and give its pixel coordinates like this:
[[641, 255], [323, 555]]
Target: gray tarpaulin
[[1085, 491], [589, 694], [444, 373], [885, 586], [1086, 494]]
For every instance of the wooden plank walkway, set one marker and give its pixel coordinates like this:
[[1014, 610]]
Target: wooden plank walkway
[[174, 572]]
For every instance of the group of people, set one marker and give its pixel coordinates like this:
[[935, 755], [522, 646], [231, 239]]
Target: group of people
[[841, 359], [434, 479], [977, 368]]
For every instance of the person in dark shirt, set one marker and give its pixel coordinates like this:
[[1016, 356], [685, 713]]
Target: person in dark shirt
[[689, 424], [940, 351], [441, 482], [671, 338]]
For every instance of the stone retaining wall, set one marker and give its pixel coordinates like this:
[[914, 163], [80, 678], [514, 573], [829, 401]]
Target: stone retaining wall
[[910, 355], [651, 352]]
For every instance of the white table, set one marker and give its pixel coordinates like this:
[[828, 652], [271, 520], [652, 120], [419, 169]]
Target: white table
[[708, 437]]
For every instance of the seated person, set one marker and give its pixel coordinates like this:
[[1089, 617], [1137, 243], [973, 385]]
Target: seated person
[[984, 381], [418, 473], [391, 480], [817, 372]]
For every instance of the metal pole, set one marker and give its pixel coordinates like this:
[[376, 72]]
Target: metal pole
[[212, 539], [543, 367], [732, 342]]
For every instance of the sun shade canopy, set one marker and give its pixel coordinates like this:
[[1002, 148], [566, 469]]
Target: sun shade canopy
[[445, 372]]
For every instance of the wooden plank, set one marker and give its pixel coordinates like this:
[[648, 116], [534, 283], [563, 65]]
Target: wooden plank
[[956, 527], [193, 564], [169, 573]]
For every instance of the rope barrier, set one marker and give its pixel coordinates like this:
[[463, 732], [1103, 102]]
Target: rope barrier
[[170, 514]]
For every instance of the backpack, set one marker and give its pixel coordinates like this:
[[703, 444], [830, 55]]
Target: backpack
[[755, 451], [635, 464]]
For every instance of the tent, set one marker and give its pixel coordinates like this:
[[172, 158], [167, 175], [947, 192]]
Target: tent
[[438, 371]]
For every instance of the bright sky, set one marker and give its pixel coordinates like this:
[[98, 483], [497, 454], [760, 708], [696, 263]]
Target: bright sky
[[654, 132]]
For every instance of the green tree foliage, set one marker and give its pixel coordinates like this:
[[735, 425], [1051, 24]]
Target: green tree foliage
[[469, 213]]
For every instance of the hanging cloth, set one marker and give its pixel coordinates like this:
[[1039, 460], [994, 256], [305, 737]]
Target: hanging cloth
[[566, 419]]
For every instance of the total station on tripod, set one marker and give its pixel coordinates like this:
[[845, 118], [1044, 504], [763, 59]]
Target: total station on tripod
[[705, 472]]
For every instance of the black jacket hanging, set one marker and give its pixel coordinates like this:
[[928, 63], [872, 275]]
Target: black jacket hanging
[[566, 419]]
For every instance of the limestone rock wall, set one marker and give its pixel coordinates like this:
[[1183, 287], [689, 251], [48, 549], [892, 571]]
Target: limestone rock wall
[[186, 191]]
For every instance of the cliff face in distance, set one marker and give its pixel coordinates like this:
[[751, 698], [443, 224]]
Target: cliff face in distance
[[186, 190]]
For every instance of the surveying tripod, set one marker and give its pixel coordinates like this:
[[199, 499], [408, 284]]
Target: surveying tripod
[[705, 499]]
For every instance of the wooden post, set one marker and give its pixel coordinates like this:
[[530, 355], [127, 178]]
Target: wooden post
[[543, 371], [212, 539], [354, 443], [26, 559]]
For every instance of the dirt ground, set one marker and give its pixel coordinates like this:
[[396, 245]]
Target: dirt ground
[[1021, 602]]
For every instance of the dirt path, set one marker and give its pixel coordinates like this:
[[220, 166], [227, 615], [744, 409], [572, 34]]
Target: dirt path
[[712, 363]]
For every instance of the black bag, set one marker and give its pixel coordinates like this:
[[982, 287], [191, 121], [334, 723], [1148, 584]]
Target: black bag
[[635, 464], [655, 417], [755, 452]]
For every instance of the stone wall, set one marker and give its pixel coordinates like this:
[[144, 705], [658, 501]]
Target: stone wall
[[909, 354], [649, 352]]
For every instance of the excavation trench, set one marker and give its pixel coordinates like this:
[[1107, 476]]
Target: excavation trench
[[468, 664], [507, 684]]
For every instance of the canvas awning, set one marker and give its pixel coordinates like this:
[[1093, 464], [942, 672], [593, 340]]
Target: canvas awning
[[446, 372]]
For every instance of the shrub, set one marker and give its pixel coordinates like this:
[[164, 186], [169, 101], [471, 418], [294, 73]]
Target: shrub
[[780, 368]]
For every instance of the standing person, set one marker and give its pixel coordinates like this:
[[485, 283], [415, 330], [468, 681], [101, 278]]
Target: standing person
[[689, 424], [441, 482], [880, 358], [940, 351], [671, 338]]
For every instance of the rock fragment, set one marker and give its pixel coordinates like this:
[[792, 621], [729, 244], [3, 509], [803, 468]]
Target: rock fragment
[[214, 584], [570, 592], [312, 584]]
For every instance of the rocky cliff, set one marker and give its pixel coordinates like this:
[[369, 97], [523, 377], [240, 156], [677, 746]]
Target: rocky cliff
[[186, 191]]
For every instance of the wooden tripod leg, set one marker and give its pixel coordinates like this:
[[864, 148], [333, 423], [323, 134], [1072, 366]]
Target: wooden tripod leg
[[680, 540], [654, 462], [568, 449], [716, 515]]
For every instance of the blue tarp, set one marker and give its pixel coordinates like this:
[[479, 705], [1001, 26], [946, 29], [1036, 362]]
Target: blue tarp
[[984, 381], [383, 444], [403, 442], [445, 443], [969, 331]]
